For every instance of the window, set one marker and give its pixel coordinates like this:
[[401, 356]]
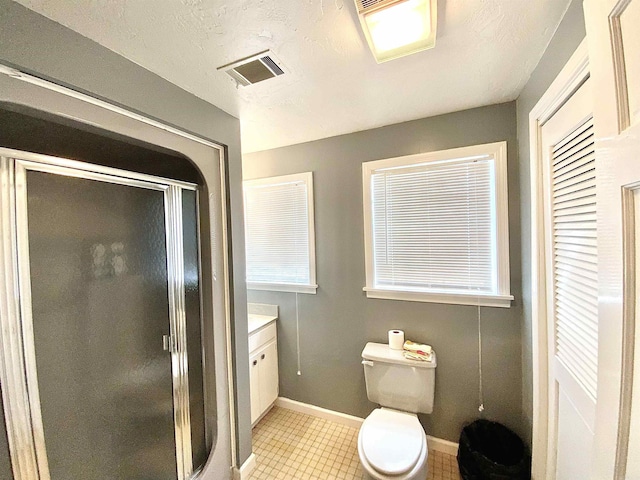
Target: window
[[436, 227], [279, 233]]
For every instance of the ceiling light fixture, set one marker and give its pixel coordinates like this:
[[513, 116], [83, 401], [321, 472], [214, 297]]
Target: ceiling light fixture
[[395, 28]]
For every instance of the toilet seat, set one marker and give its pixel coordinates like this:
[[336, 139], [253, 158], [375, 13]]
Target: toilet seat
[[392, 441]]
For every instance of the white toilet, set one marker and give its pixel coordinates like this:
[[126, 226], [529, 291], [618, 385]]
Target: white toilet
[[392, 443]]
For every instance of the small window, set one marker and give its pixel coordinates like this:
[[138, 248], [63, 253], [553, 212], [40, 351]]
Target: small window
[[436, 227], [280, 234]]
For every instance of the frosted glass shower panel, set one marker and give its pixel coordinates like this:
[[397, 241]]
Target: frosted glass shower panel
[[98, 260], [194, 326]]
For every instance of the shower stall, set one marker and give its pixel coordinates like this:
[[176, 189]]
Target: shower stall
[[114, 325]]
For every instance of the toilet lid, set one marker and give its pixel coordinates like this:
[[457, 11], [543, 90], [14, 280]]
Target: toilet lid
[[392, 441]]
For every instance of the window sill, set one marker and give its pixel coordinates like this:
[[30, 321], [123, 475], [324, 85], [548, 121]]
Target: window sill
[[502, 301], [283, 287]]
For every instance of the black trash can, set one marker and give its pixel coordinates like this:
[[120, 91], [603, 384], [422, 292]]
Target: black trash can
[[490, 451]]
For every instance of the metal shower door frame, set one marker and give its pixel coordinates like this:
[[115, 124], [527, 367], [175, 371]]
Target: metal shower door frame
[[18, 370]]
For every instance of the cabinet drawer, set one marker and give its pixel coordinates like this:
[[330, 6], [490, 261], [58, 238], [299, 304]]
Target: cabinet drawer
[[262, 336]]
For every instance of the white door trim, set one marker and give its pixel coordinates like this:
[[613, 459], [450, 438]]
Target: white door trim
[[574, 74]]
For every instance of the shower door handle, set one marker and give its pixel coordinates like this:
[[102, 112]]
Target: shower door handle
[[167, 344]]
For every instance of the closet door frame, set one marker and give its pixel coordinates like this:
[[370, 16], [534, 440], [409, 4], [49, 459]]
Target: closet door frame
[[22, 400]]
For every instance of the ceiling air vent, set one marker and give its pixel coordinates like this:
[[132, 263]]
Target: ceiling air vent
[[254, 69], [365, 4]]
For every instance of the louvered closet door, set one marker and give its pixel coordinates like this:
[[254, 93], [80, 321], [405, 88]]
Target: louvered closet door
[[572, 290]]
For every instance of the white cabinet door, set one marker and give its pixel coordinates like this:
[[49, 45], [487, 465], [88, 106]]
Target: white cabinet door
[[254, 384], [268, 375], [263, 371]]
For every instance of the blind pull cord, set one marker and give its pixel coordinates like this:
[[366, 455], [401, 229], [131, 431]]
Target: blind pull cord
[[480, 392], [480, 389], [298, 335], [299, 372]]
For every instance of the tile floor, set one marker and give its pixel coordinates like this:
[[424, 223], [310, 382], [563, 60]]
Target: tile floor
[[294, 446]]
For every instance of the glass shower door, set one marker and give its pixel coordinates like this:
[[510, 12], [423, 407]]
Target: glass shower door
[[101, 262], [98, 266]]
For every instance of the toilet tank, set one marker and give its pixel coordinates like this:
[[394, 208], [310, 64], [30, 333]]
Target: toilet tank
[[397, 382]]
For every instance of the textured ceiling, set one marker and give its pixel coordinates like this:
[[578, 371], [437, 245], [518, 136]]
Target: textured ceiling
[[485, 52]]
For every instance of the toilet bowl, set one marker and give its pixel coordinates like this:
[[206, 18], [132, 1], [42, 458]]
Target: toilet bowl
[[393, 446]]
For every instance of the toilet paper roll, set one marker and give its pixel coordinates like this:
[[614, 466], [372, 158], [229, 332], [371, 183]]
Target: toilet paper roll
[[396, 339]]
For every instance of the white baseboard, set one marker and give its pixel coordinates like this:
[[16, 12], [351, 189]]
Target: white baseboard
[[440, 445], [342, 418], [245, 470], [434, 443]]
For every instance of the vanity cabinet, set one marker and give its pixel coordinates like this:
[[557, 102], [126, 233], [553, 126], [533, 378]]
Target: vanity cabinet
[[263, 370]]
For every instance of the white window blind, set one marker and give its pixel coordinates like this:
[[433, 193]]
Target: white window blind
[[435, 229], [279, 233]]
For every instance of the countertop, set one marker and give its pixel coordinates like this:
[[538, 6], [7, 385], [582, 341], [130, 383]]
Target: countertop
[[256, 322]]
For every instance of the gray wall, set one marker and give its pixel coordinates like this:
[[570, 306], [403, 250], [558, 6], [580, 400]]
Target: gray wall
[[336, 323], [565, 41], [36, 44]]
